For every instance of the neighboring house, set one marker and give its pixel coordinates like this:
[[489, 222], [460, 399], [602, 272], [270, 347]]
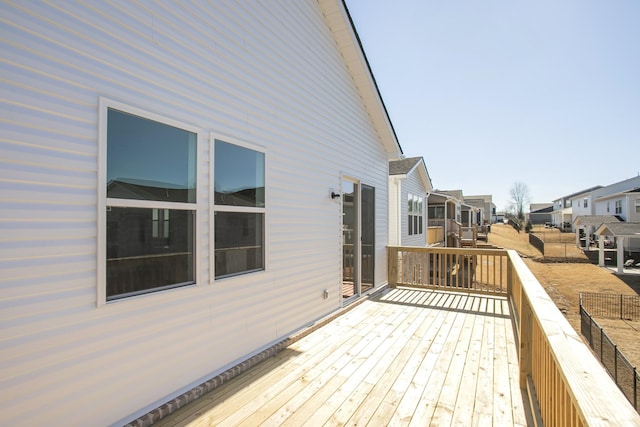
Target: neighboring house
[[409, 188], [586, 225], [184, 186], [539, 213], [620, 200], [470, 214], [485, 203], [614, 197], [625, 204], [627, 237], [445, 216], [562, 213], [478, 209]]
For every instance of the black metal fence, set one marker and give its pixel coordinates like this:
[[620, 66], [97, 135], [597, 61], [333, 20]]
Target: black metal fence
[[621, 370], [536, 242], [556, 246], [611, 306]]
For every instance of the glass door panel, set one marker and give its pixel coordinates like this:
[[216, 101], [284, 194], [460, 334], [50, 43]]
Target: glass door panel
[[349, 239], [368, 233]]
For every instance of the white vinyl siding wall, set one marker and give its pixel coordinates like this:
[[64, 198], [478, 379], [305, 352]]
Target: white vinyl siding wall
[[395, 210], [268, 75], [413, 185]]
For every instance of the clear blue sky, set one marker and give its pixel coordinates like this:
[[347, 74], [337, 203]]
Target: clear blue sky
[[494, 92]]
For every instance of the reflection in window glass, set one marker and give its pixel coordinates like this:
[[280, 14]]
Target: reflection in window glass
[[136, 261], [150, 247], [239, 176], [239, 234], [238, 242], [149, 160]]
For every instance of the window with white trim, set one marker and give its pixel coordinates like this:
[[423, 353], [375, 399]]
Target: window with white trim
[[618, 207], [637, 205], [415, 214], [239, 205], [150, 188]]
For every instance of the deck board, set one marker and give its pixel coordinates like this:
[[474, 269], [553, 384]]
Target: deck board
[[407, 357]]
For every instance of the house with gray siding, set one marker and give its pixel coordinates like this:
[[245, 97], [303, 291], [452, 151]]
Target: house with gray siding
[[487, 208], [539, 213], [409, 188], [183, 186]]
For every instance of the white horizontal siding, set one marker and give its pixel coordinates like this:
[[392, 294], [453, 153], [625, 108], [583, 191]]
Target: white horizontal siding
[[413, 185], [266, 74]]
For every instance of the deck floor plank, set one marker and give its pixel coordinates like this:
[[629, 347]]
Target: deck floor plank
[[302, 357], [483, 410], [261, 407], [476, 359], [405, 357], [444, 404], [305, 403], [391, 410]]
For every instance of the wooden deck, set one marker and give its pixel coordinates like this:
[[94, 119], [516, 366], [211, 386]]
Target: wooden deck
[[406, 357]]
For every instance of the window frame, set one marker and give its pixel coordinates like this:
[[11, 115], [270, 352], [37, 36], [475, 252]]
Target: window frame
[[213, 207], [104, 105], [415, 215]]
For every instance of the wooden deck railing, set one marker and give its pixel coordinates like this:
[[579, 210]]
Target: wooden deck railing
[[471, 270], [564, 382]]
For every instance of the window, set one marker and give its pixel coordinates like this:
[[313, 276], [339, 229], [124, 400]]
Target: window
[[637, 205], [239, 184], [410, 213], [150, 189], [618, 207], [415, 210], [608, 207], [586, 203], [436, 212]]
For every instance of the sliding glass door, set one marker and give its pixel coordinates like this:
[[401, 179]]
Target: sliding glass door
[[358, 238]]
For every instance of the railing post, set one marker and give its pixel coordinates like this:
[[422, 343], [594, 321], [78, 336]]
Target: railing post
[[621, 306], [635, 388], [509, 279], [526, 342], [615, 362], [392, 266]]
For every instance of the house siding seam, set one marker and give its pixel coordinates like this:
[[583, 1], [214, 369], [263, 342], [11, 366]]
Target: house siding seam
[[268, 75]]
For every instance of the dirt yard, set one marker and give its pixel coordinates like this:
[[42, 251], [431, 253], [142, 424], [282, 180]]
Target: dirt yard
[[564, 281]]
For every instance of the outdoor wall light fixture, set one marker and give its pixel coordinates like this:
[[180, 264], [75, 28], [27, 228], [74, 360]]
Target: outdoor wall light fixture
[[335, 195]]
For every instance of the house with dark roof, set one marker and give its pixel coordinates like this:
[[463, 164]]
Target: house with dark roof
[[613, 199], [562, 213], [620, 200], [539, 213], [409, 189]]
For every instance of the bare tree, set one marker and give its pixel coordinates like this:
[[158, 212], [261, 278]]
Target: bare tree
[[519, 198]]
